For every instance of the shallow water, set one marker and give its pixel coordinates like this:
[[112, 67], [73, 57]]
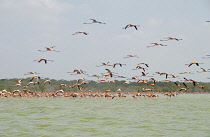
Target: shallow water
[[187, 115]]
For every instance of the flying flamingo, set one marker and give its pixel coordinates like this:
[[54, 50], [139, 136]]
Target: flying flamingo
[[43, 59], [94, 21], [80, 32], [129, 56], [130, 25], [49, 49], [157, 44], [170, 38], [191, 63]]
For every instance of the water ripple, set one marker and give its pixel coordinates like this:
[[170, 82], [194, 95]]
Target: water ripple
[[185, 115]]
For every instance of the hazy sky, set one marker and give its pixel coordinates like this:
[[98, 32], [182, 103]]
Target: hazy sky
[[27, 26]]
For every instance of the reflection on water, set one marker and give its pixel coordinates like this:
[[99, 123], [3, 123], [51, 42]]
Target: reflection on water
[[184, 115]]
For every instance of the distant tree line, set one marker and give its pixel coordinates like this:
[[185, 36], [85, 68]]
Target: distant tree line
[[94, 86]]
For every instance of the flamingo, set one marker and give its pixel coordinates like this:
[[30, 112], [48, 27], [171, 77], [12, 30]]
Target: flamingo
[[36, 82], [43, 59], [182, 89], [201, 87], [111, 81], [143, 74], [78, 71], [120, 77], [173, 76], [136, 95], [104, 64], [94, 75], [153, 80], [28, 73], [80, 79], [32, 77], [17, 85], [130, 25], [176, 84], [171, 38], [193, 81], [62, 85], [186, 73], [100, 80], [156, 44], [114, 64], [139, 67], [152, 84], [133, 78], [142, 81], [49, 49], [19, 81], [94, 21], [185, 86], [192, 63], [29, 83], [80, 32], [163, 73], [146, 64], [205, 70], [47, 81], [129, 56], [116, 95], [110, 72], [128, 82], [146, 89]]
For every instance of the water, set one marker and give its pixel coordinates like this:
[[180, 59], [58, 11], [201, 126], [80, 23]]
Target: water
[[187, 115]]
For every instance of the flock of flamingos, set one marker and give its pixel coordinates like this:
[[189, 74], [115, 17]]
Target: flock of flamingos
[[104, 77]]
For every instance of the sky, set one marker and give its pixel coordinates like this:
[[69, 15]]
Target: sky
[[27, 26]]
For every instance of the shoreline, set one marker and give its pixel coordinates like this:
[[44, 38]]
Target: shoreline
[[106, 94]]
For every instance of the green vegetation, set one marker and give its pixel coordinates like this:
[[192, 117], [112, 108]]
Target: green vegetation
[[8, 84]]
